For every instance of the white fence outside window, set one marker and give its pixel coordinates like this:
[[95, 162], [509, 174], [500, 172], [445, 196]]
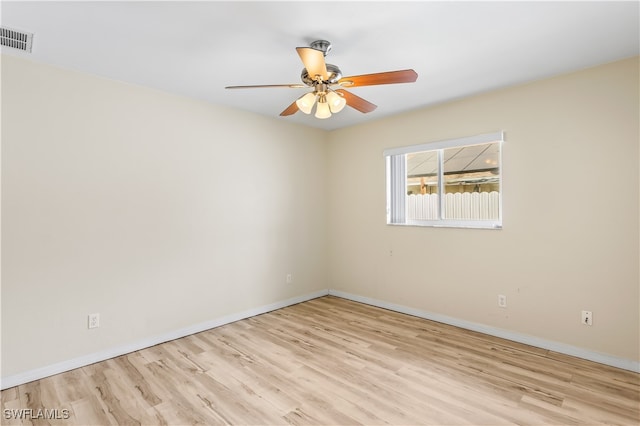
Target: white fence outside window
[[458, 206]]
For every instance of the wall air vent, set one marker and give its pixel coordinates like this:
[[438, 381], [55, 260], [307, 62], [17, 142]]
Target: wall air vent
[[16, 39]]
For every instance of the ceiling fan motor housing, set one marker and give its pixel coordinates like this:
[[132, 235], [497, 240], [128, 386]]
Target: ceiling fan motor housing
[[334, 74]]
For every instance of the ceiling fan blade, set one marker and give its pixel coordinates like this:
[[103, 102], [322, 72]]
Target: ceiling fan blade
[[390, 77], [313, 60], [356, 102], [290, 110], [259, 86]]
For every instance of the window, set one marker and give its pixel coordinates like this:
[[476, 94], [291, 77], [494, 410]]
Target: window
[[454, 183]]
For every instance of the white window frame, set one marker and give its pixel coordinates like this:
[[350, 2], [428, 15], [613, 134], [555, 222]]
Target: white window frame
[[395, 159]]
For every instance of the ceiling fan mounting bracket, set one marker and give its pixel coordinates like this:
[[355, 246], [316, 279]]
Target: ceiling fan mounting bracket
[[322, 45]]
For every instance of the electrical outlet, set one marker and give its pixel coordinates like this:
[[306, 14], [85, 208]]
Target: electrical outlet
[[94, 320], [587, 318], [502, 301], [289, 278]]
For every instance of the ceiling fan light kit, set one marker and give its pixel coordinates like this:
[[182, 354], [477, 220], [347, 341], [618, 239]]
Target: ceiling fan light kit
[[328, 102], [305, 102], [320, 76], [336, 102], [322, 110]]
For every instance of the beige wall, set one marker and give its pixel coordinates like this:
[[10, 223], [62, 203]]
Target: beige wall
[[160, 212], [156, 211], [564, 248]]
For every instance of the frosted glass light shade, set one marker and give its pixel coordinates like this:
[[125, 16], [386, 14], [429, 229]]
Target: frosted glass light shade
[[336, 102], [305, 102], [322, 110]]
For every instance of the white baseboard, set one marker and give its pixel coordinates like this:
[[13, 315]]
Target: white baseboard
[[61, 367], [613, 361]]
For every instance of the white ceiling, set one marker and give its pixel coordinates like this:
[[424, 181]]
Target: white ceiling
[[197, 48]]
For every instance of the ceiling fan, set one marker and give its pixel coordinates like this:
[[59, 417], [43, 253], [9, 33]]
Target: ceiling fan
[[323, 78]]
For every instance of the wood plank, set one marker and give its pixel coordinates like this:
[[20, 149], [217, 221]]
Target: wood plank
[[334, 361]]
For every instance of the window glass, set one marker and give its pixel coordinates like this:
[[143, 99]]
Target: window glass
[[422, 185], [448, 183], [472, 182]]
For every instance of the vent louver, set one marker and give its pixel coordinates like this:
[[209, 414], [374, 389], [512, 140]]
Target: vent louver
[[16, 39]]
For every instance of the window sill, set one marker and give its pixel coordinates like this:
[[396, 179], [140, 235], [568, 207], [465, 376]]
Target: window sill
[[452, 224]]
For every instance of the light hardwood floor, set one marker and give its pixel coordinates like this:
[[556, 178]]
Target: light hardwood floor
[[333, 361]]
